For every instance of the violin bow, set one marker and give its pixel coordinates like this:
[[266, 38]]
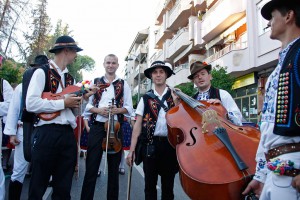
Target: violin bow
[[107, 135], [129, 181]]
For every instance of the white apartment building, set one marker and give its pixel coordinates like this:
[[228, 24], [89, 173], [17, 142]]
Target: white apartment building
[[137, 63], [229, 33]]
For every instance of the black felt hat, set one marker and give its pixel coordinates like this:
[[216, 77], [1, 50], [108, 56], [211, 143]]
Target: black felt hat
[[65, 42], [269, 7], [155, 64], [39, 60]]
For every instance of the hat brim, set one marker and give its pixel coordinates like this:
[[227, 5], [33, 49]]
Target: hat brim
[[269, 7], [208, 67], [148, 71], [54, 49]]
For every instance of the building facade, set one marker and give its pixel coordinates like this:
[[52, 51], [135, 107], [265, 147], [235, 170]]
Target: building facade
[[228, 33]]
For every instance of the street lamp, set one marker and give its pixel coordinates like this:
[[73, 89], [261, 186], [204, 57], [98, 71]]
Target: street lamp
[[139, 75]]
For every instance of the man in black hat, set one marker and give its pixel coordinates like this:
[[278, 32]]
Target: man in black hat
[[14, 129], [201, 77], [158, 156], [54, 146], [278, 157]]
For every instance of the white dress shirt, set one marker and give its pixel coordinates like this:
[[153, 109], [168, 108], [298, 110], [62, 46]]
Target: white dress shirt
[[35, 104], [7, 94], [14, 112], [106, 98], [161, 128]]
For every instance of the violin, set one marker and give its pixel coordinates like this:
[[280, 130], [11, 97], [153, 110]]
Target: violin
[[111, 143], [72, 89], [216, 157]]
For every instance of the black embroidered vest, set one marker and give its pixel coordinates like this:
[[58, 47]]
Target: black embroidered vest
[[119, 96], [53, 79], [150, 115], [214, 93], [287, 118], [52, 82]]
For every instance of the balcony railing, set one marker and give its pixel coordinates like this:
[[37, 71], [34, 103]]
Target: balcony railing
[[226, 50]]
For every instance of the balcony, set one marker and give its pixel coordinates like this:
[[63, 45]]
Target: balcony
[[161, 35], [200, 4], [178, 16], [141, 70], [221, 16], [141, 50], [178, 43], [235, 57], [143, 89], [181, 74], [161, 9]]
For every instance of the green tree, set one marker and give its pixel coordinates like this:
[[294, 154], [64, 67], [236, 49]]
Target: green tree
[[187, 88], [41, 26], [221, 79], [81, 62], [12, 71]]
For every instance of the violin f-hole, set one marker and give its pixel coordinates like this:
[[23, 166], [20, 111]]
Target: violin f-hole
[[192, 136]]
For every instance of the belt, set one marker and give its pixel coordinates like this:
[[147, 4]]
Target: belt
[[160, 138], [283, 149], [98, 123]]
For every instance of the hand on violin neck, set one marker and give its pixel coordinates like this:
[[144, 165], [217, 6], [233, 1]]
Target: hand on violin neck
[[72, 101], [214, 101], [90, 91]]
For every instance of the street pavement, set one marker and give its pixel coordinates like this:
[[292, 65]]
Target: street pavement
[[137, 185]]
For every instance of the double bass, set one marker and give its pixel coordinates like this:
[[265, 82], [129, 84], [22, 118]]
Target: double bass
[[216, 157]]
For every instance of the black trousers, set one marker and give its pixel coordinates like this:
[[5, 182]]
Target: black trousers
[[93, 159], [163, 163], [54, 153]]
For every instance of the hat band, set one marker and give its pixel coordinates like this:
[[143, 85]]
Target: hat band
[[64, 44], [158, 64]]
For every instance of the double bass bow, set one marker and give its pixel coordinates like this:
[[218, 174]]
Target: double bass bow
[[216, 157]]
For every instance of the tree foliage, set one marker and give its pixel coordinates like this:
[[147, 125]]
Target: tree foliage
[[221, 79], [187, 88], [81, 62], [12, 71], [38, 39]]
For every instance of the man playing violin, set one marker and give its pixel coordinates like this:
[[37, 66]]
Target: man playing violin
[[158, 156], [100, 107], [201, 77], [278, 155], [54, 146]]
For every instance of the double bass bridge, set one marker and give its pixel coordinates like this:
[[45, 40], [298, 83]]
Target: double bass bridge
[[210, 117]]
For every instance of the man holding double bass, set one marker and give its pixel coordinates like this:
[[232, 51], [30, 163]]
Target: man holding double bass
[[103, 109], [201, 77], [54, 147]]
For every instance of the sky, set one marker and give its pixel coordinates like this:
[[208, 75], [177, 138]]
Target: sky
[[103, 27]]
